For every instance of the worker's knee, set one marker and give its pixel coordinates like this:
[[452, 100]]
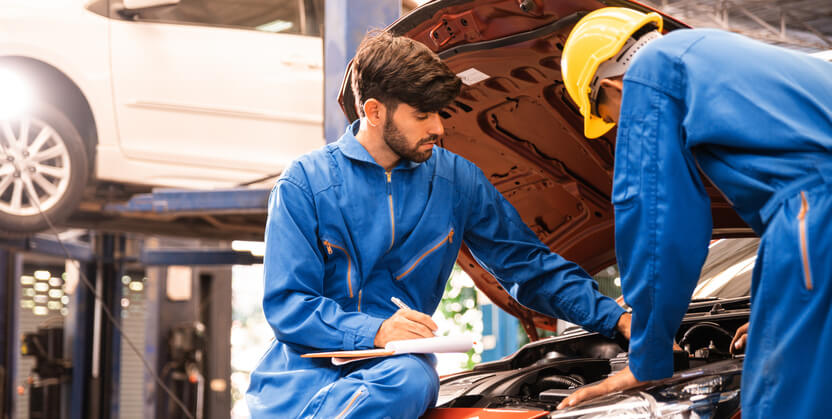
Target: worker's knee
[[415, 374], [402, 386], [414, 377]]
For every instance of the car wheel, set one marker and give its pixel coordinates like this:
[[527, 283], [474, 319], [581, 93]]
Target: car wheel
[[43, 168]]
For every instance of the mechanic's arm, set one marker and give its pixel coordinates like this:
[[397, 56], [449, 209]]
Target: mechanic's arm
[[293, 299], [533, 275], [662, 229]]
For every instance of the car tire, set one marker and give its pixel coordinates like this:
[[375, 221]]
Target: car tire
[[51, 163]]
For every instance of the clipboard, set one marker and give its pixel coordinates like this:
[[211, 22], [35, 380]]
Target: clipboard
[[438, 344]]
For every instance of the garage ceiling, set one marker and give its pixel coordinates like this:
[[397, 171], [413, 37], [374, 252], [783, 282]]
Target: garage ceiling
[[804, 25]]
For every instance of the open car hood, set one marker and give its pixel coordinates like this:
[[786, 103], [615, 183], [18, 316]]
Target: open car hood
[[514, 120]]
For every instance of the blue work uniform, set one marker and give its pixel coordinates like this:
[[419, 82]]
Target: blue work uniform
[[343, 236], [757, 120]]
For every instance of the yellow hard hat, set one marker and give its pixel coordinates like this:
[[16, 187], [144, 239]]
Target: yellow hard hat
[[596, 38]]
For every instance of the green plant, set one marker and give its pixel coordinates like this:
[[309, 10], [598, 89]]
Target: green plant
[[460, 306]]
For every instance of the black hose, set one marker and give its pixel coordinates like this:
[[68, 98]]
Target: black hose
[[561, 381], [709, 325]]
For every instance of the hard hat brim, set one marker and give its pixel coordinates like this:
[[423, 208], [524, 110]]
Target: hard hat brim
[[595, 127]]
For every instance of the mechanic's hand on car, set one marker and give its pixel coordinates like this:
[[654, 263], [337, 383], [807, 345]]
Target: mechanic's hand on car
[[738, 343], [623, 325], [621, 380], [405, 324]]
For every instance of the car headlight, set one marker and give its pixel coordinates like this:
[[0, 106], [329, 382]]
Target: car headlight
[[615, 405], [699, 397]]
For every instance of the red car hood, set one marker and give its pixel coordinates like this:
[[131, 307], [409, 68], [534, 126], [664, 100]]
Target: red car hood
[[515, 121]]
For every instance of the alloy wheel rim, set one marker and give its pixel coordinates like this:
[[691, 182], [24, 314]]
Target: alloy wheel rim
[[34, 166]]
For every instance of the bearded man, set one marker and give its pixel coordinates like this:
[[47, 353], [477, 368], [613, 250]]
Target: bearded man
[[382, 213]]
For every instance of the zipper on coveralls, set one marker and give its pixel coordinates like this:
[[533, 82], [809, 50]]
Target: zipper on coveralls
[[351, 403], [804, 239], [329, 245], [359, 299], [447, 239], [390, 203]]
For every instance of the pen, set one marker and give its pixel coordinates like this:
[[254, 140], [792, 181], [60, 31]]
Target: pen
[[399, 303]]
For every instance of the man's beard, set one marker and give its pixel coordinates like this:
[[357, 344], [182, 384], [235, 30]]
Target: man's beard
[[398, 143]]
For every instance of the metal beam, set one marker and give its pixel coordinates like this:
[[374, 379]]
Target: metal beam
[[789, 29], [10, 268], [190, 257], [759, 21], [49, 246], [183, 202], [215, 314], [826, 39], [78, 342], [112, 268]]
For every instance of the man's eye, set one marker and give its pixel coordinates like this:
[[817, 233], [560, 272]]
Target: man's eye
[[422, 116]]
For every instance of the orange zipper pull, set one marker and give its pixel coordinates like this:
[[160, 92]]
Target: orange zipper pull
[[804, 206], [451, 236], [328, 247]]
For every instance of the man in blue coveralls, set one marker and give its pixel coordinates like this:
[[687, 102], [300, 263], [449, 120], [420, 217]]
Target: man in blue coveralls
[[756, 120], [383, 213]]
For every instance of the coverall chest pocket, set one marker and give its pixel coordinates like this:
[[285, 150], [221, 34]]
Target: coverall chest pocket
[[340, 277], [426, 258]]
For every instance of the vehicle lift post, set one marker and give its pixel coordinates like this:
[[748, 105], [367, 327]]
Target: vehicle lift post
[[10, 266], [178, 328], [93, 341]]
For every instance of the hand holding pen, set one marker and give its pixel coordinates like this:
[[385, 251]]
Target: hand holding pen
[[404, 324]]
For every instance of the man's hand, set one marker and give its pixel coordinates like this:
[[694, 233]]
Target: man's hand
[[623, 325], [405, 324], [622, 380], [738, 343]]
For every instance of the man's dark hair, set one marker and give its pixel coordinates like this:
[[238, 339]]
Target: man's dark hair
[[394, 69]]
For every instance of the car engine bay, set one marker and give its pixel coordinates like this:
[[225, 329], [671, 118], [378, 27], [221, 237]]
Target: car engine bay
[[542, 373]]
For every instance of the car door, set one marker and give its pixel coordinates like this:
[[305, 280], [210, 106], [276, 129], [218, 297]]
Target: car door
[[226, 89]]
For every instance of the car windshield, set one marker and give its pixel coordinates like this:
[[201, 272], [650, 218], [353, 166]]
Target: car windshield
[[725, 274], [727, 270]]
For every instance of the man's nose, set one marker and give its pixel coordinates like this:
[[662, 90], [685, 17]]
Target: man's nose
[[436, 127]]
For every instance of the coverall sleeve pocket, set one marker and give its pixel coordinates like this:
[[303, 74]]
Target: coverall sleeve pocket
[[621, 193], [339, 281]]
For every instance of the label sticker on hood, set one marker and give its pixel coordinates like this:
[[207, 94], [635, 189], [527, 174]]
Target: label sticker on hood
[[472, 76]]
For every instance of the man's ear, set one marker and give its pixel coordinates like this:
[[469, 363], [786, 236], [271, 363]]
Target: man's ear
[[609, 99], [615, 83], [375, 112]]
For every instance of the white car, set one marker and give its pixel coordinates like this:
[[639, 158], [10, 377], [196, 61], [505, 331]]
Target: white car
[[191, 94]]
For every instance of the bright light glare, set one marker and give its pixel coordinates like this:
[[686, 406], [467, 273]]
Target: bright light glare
[[256, 248], [15, 97]]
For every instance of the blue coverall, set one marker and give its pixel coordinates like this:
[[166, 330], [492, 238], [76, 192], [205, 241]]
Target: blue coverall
[[343, 236], [757, 120]]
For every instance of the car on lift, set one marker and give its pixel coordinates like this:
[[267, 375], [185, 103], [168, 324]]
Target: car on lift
[[514, 119], [105, 98]]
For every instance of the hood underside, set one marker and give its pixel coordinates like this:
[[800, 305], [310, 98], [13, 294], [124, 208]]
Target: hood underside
[[514, 120]]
